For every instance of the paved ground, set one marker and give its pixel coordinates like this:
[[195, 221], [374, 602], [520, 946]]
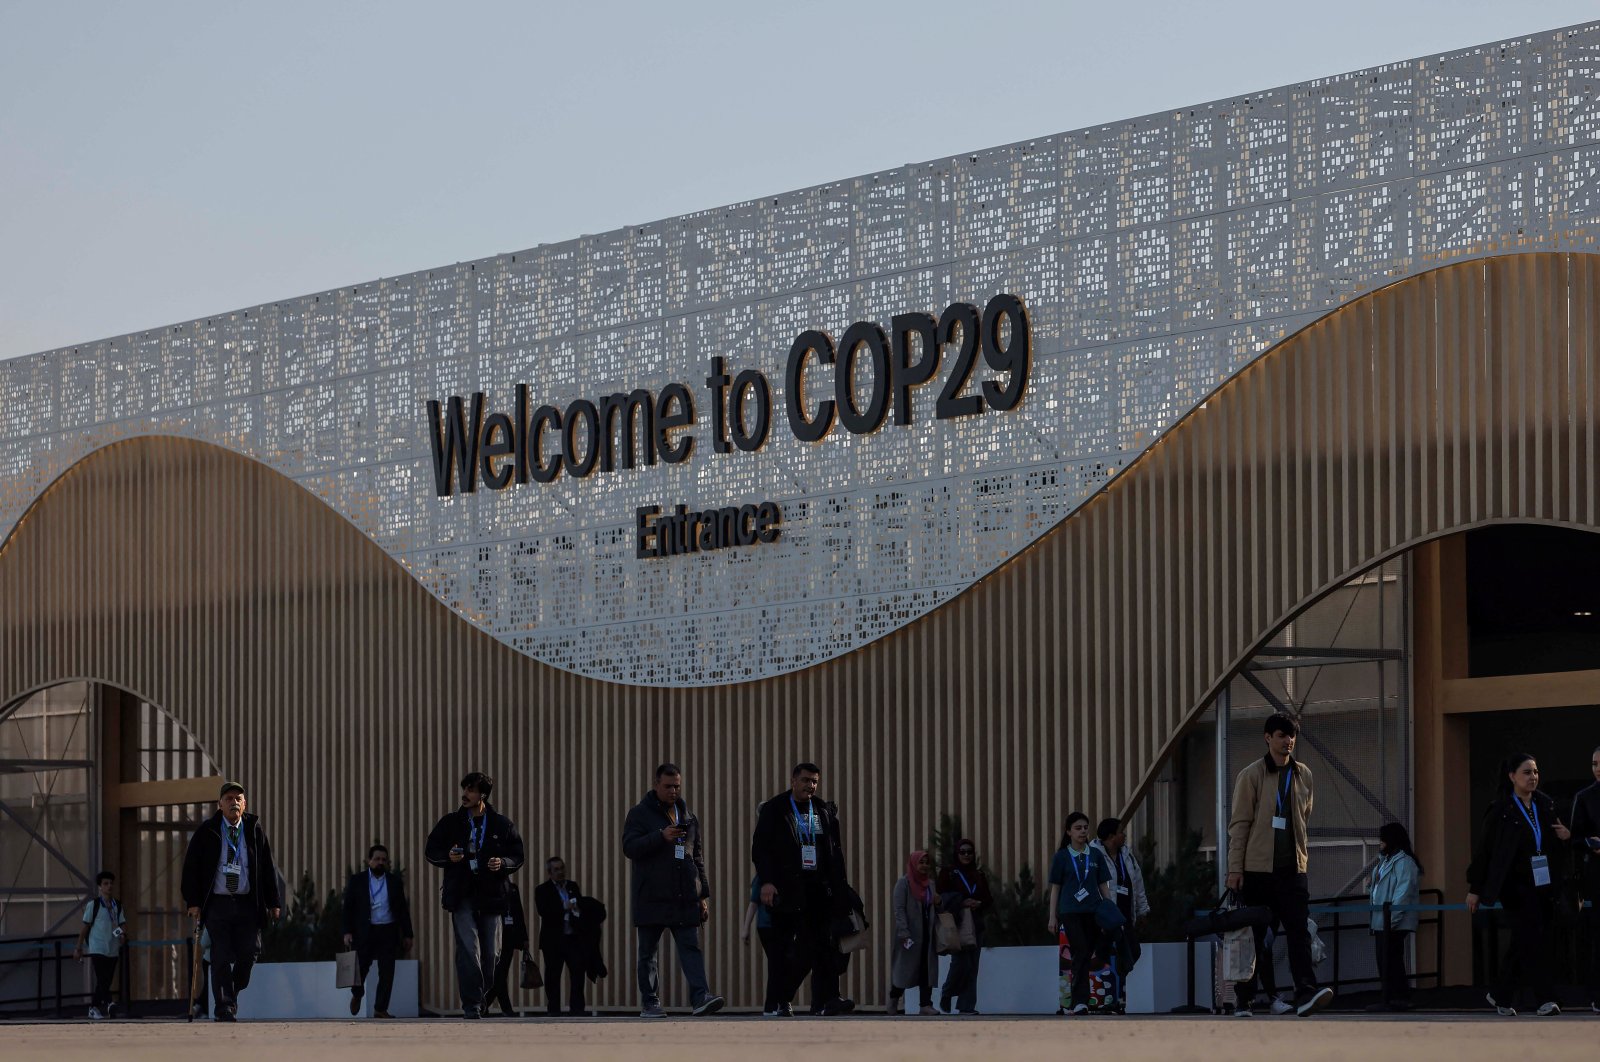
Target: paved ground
[[1170, 1039]]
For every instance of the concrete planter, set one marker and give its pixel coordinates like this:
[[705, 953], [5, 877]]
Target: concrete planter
[[1028, 980], [1158, 983], [294, 991]]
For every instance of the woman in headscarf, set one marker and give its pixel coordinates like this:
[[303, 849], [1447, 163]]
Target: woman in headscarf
[[1394, 881], [1511, 864], [964, 891], [915, 905]]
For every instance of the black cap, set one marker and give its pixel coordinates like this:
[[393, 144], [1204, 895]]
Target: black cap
[[229, 787]]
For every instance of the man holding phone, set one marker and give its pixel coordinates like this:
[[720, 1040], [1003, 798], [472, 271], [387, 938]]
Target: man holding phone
[[670, 890], [478, 848], [1586, 839]]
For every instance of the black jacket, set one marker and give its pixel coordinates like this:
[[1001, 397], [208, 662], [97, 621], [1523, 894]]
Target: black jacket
[[552, 916], [205, 853], [775, 850], [666, 890], [514, 923], [1585, 824], [357, 907], [485, 889], [1502, 860]]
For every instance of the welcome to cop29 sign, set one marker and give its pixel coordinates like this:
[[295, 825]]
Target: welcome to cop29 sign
[[626, 429]]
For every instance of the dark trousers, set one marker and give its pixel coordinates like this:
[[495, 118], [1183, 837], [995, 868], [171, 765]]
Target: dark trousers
[[501, 991], [381, 945], [1526, 966], [1591, 917], [1288, 896], [1391, 951], [922, 982], [961, 983], [105, 968], [1083, 937], [477, 939], [772, 947], [563, 956], [690, 958], [805, 944], [234, 925]]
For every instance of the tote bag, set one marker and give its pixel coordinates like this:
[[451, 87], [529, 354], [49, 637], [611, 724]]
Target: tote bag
[[345, 972]]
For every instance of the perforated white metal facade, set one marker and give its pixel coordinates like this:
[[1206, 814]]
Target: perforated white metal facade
[[1157, 257]]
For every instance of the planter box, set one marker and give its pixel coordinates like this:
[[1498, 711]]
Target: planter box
[[294, 991], [1028, 980]]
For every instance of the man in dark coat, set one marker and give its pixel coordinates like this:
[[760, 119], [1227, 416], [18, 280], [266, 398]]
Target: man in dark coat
[[478, 848], [377, 923], [556, 899], [1586, 839], [800, 862], [231, 885], [670, 890]]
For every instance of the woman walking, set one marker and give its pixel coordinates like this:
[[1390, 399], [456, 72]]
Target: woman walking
[[1394, 881], [1511, 864], [915, 905], [964, 891], [1079, 880]]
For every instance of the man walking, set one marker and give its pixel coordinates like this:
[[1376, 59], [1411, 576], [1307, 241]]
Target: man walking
[[231, 885], [478, 848], [1267, 863], [377, 923], [1586, 839], [800, 863], [556, 900], [670, 891], [104, 931]]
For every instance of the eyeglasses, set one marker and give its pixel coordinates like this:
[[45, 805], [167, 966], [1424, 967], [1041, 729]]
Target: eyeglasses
[[964, 851]]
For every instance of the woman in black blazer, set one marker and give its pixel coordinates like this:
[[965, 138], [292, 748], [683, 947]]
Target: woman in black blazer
[[1512, 864]]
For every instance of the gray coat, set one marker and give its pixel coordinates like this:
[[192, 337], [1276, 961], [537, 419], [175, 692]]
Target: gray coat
[[907, 909]]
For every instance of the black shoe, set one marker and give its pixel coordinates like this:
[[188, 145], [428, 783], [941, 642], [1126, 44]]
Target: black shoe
[[355, 1001], [835, 1007], [224, 1014], [470, 1013], [944, 1004]]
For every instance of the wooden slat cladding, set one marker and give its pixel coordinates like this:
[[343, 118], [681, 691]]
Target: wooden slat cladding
[[316, 669]]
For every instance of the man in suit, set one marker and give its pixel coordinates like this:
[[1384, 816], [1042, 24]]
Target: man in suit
[[377, 923], [556, 900], [230, 885], [800, 863], [478, 848]]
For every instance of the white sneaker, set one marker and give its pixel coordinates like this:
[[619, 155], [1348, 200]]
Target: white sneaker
[[1081, 1008], [94, 1014], [1504, 1012], [1318, 999], [1281, 1006], [1243, 1012], [1550, 1009]]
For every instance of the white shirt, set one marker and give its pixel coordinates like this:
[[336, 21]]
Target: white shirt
[[378, 892], [219, 884]]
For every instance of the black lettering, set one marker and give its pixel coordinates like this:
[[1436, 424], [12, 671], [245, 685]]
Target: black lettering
[[522, 434], [631, 407], [1016, 358], [750, 383], [747, 531], [904, 374], [584, 410], [768, 516], [717, 383], [498, 441], [794, 385], [963, 317], [455, 448], [644, 537], [727, 527], [859, 422], [544, 416], [708, 529], [668, 421]]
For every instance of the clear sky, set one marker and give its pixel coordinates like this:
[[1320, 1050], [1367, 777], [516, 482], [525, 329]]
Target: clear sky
[[165, 160]]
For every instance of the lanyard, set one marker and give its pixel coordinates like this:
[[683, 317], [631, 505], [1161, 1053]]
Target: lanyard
[[1533, 824], [972, 890], [1081, 872], [1122, 865], [230, 840], [672, 814], [1288, 784], [382, 889], [562, 889], [475, 833], [807, 827]]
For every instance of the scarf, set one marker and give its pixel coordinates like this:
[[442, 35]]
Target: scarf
[[921, 884]]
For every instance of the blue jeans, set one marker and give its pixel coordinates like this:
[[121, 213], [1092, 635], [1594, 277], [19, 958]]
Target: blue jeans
[[477, 940], [690, 958]]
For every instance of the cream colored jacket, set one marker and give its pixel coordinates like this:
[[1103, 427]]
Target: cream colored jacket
[[1254, 804]]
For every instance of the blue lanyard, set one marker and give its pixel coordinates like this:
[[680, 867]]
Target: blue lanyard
[[475, 833], [1288, 784], [1533, 824], [972, 890], [1122, 865], [563, 891], [383, 888], [806, 827], [1081, 872]]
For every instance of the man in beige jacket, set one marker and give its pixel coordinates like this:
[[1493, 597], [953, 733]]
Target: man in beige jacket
[[1267, 863]]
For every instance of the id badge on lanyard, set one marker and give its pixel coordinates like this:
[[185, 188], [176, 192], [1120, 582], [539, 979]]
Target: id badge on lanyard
[[1083, 890], [1541, 862], [1280, 821], [808, 857], [679, 850], [1541, 871]]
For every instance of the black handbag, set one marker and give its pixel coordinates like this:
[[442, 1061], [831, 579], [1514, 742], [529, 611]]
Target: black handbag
[[1227, 916]]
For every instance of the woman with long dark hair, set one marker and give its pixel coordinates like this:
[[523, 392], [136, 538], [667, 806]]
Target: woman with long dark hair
[[1394, 881], [1079, 880], [1511, 865]]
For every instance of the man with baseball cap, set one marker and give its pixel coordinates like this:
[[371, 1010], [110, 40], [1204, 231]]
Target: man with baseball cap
[[231, 885]]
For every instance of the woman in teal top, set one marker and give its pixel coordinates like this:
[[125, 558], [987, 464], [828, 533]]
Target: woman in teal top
[[1079, 880], [1394, 881]]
